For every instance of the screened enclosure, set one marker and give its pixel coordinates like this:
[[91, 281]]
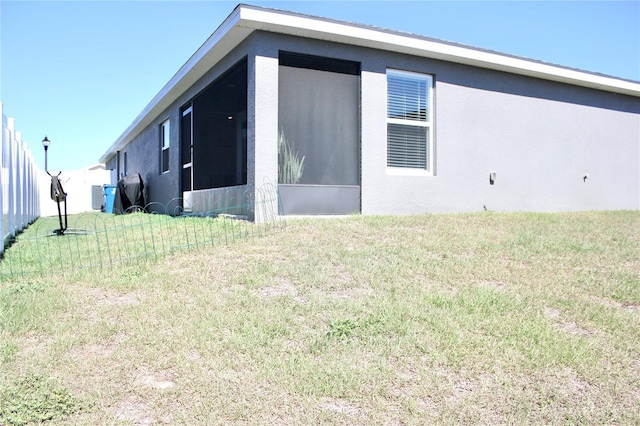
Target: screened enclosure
[[319, 134], [214, 134]]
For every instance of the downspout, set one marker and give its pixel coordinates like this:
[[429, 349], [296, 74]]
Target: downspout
[[117, 166]]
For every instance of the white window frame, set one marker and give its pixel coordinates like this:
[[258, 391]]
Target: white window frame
[[428, 124], [165, 139]]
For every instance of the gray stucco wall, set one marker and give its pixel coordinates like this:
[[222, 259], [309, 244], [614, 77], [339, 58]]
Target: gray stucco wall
[[540, 138], [143, 156], [262, 129]]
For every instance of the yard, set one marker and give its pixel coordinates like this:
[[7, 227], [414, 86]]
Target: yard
[[467, 319]]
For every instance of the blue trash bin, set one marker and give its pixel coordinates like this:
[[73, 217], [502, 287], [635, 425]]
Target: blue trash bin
[[109, 197]]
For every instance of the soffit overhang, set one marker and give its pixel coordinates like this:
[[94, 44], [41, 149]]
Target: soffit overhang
[[244, 20]]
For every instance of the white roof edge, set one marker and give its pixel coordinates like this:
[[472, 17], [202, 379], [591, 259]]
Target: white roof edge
[[253, 18], [362, 35]]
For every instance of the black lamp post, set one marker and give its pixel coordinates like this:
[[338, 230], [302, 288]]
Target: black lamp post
[[45, 143]]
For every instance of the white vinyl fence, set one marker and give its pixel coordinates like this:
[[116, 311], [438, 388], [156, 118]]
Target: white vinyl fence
[[19, 200]]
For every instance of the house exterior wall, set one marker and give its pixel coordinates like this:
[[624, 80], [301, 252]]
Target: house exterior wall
[[540, 138], [262, 137]]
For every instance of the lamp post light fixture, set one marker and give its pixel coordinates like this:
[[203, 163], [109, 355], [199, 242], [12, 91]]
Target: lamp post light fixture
[[45, 143]]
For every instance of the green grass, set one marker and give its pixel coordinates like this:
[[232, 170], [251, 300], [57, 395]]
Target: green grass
[[34, 399], [466, 319]]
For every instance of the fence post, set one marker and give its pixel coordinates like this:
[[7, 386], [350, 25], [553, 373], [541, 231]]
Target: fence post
[[12, 179], [3, 189], [19, 179]]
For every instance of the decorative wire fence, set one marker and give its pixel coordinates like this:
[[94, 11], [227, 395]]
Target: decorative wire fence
[[103, 240]]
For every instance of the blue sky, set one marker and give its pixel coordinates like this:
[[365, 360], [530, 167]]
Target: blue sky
[[81, 71]]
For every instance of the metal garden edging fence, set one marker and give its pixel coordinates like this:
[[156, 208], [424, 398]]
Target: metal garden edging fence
[[104, 240], [19, 198]]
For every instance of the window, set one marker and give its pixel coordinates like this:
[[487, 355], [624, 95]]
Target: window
[[409, 120], [124, 161], [164, 147]]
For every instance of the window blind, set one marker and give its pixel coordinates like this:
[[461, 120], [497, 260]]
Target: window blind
[[407, 146], [408, 120], [407, 97]]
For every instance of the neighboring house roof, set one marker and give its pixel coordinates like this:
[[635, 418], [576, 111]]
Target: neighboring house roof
[[246, 19]]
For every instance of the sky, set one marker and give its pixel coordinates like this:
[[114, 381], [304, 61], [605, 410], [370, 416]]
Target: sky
[[80, 72]]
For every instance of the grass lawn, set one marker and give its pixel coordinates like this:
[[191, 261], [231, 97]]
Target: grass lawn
[[466, 319]]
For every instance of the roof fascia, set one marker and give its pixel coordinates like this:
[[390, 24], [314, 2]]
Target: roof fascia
[[365, 36]]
